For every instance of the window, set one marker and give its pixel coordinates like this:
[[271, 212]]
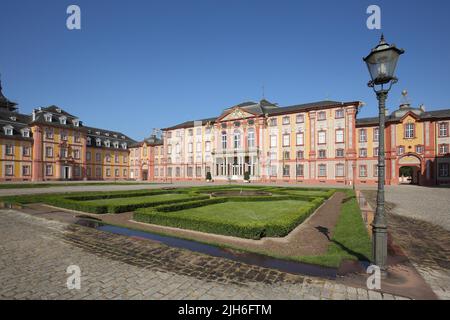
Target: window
[[48, 170], [299, 139], [286, 120], [375, 152], [443, 170], [321, 115], [9, 149], [300, 118], [273, 141], [169, 149], [362, 135], [375, 170], [125, 172], [376, 134], [116, 172], [286, 170], [322, 154], [224, 140], [299, 170], [199, 131], [88, 141], [88, 155], [409, 130], [76, 171], [62, 120], [48, 117], [177, 148], [273, 170], [64, 135], [251, 138], [98, 157], [340, 170], [322, 170], [198, 147], [340, 136], [9, 170], [26, 151], [363, 153], [419, 149], [322, 137], [300, 154], [273, 122], [286, 155], [363, 171], [339, 153], [98, 142], [443, 129], [49, 152], [98, 172], [76, 154], [49, 133], [107, 143], [286, 140], [207, 130], [443, 148], [177, 171], [116, 145], [88, 171], [237, 139], [401, 150], [190, 132], [8, 130], [25, 133], [64, 153], [26, 170], [339, 113], [108, 172], [116, 158], [190, 147], [76, 123], [108, 158]]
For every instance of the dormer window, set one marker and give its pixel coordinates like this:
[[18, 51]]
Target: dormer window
[[62, 120], [116, 144], [48, 117], [13, 118], [88, 141], [98, 142], [115, 135], [58, 110], [107, 143], [25, 133], [107, 134], [76, 123], [124, 145], [97, 133], [123, 137], [8, 130]]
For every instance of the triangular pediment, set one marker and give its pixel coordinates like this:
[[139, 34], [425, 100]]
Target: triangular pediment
[[235, 114]]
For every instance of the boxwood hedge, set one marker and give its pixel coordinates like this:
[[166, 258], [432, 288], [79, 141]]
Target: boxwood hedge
[[167, 216]]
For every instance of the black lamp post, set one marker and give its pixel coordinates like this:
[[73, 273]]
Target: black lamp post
[[381, 63]]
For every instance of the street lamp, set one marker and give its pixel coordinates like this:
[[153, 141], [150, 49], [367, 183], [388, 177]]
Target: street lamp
[[381, 63]]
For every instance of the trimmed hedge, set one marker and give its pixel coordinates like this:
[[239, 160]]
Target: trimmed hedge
[[167, 216], [122, 194]]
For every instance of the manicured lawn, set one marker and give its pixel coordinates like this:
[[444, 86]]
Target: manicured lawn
[[242, 213], [252, 218], [139, 200]]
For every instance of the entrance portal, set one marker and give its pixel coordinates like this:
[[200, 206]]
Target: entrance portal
[[409, 169]]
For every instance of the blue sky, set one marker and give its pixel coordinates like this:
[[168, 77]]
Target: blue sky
[[136, 65]]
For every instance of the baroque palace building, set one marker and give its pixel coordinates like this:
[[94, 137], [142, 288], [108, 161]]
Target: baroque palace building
[[320, 142]]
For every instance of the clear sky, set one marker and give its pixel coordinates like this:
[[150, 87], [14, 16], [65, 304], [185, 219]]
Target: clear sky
[[136, 65]]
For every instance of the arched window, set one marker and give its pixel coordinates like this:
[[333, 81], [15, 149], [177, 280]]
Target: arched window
[[237, 139], [251, 138]]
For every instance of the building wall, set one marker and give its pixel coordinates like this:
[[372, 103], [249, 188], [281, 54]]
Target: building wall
[[12, 164]]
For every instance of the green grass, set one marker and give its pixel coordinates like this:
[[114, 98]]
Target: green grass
[[254, 218], [139, 200], [350, 239]]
